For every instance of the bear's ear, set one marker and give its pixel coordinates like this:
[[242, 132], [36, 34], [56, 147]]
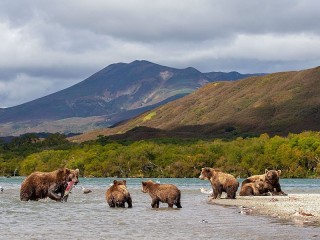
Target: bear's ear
[[266, 170], [115, 182], [144, 183], [67, 170], [77, 171], [125, 182], [279, 172], [207, 169]]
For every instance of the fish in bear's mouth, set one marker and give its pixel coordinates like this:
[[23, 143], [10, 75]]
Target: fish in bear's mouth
[[70, 185]]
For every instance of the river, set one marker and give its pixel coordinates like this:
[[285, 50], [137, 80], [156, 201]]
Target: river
[[88, 216]]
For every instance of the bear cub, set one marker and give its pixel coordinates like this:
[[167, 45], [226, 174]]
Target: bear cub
[[165, 193], [117, 195]]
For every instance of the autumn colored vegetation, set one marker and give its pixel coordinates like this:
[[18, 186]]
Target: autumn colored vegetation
[[297, 155]]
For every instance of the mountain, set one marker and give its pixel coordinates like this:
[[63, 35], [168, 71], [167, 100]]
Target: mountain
[[116, 93], [277, 103]]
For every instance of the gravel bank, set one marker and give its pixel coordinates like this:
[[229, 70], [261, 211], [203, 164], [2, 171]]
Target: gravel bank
[[302, 209]]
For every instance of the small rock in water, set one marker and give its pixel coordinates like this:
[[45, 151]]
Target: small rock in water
[[85, 190], [1, 189], [204, 221]]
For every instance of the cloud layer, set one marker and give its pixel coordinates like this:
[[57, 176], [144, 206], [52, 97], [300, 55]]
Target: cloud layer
[[47, 46]]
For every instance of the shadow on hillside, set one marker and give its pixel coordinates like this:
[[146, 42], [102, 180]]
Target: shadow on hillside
[[194, 131], [209, 131]]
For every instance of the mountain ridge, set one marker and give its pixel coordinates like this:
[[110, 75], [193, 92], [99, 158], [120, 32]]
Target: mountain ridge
[[115, 93]]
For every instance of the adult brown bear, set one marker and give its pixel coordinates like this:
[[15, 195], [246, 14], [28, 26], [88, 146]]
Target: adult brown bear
[[270, 180], [166, 193], [220, 182], [40, 185], [117, 195]]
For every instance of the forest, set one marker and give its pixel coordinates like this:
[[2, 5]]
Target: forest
[[297, 155]]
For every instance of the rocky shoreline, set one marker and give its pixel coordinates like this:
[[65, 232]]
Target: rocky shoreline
[[301, 209]]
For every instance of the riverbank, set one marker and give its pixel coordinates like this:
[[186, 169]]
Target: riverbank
[[301, 209]]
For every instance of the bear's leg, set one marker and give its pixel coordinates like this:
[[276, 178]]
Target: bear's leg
[[24, 196], [120, 204], [215, 193], [231, 192], [261, 192], [219, 191], [27, 193], [111, 203], [129, 201], [278, 190], [177, 201], [53, 196], [155, 203], [178, 204]]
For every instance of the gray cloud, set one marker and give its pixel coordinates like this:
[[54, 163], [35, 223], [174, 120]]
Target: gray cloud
[[49, 45]]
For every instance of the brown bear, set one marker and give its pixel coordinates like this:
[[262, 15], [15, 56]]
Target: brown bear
[[166, 193], [40, 185], [256, 188], [270, 180], [220, 182], [117, 195]]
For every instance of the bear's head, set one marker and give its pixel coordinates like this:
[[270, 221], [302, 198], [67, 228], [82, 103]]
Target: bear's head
[[272, 176], [259, 184], [206, 173], [146, 186], [120, 182], [72, 175]]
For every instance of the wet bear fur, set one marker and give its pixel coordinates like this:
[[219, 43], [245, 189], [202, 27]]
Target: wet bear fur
[[220, 182], [166, 193], [117, 195], [39, 185], [270, 179]]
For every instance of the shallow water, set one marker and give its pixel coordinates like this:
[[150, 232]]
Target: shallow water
[[88, 216]]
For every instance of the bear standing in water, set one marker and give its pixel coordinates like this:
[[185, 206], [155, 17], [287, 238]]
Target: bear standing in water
[[166, 193], [40, 185], [220, 182], [117, 195]]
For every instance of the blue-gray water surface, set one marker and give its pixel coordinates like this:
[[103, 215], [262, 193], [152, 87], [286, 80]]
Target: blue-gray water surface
[[88, 216]]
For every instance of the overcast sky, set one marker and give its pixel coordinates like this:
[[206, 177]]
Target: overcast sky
[[46, 46]]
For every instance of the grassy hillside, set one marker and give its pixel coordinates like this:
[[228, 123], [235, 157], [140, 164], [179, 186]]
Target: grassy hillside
[[277, 103]]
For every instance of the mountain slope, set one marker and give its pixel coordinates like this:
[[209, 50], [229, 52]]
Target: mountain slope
[[276, 103], [117, 92]]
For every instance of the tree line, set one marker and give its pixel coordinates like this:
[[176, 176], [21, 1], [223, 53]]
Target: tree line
[[297, 155]]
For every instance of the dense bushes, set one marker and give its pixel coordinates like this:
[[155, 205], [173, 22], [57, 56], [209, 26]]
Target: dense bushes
[[297, 155]]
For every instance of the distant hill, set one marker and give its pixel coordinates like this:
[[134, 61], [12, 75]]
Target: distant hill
[[230, 76], [277, 103], [116, 93]]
